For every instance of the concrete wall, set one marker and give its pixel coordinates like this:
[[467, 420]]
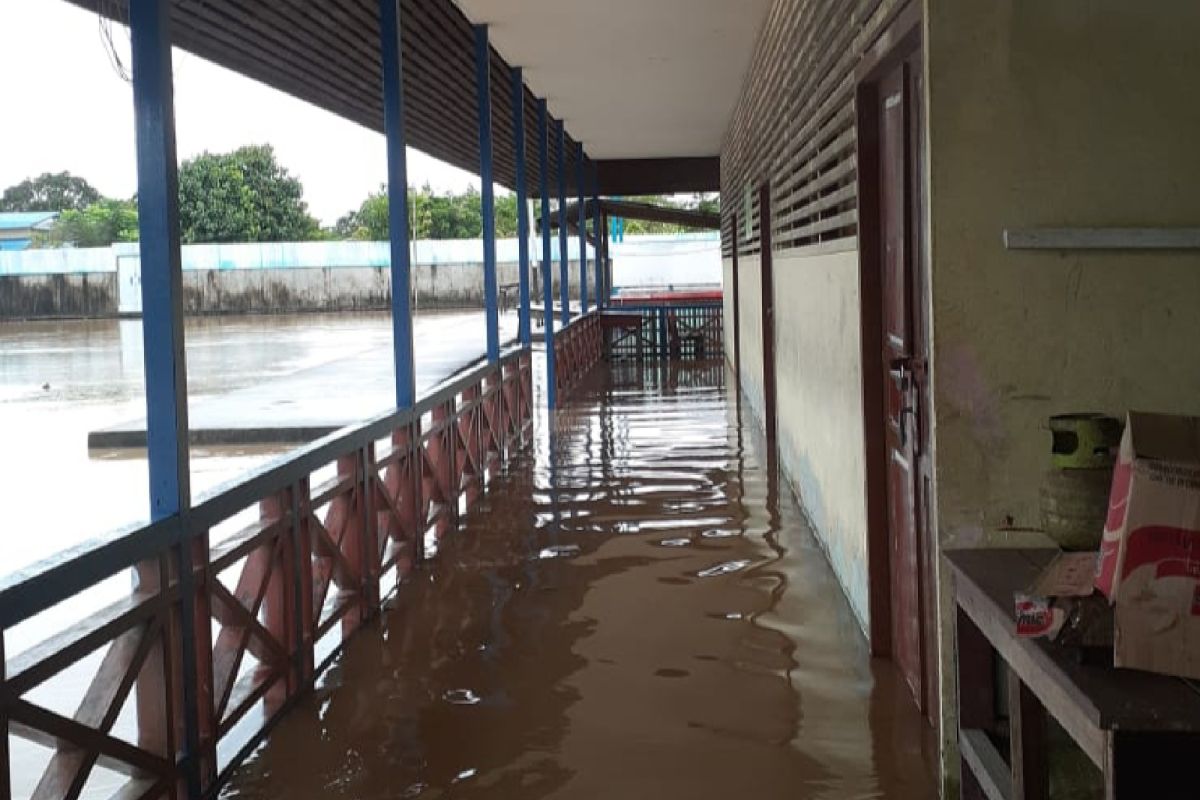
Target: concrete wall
[[818, 370], [750, 303], [229, 291], [727, 309], [79, 295], [322, 276], [340, 289], [1072, 113], [819, 377]]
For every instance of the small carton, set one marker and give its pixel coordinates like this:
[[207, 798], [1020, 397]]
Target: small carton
[[1149, 565], [1049, 603]]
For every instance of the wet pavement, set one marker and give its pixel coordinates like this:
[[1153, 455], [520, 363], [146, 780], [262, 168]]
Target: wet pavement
[[304, 404], [634, 611], [59, 380]]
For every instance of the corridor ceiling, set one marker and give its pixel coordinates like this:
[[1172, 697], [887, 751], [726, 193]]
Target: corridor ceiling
[[632, 78]]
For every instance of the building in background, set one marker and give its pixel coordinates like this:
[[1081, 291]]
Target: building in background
[[17, 229]]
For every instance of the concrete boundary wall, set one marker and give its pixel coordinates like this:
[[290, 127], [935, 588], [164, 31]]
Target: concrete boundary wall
[[257, 278], [320, 276]]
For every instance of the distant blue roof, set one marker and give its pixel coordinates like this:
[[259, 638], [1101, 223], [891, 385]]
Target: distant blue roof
[[23, 220]]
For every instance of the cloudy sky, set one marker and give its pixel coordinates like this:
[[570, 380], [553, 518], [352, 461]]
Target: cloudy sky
[[64, 107]]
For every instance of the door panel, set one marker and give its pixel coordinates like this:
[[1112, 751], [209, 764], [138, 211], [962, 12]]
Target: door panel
[[902, 358]]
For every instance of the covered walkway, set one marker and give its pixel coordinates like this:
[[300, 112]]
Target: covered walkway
[[632, 610]]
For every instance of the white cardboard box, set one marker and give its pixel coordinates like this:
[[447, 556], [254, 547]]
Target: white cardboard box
[[1149, 564]]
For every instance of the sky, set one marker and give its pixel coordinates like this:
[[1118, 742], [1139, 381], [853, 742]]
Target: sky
[[64, 107]]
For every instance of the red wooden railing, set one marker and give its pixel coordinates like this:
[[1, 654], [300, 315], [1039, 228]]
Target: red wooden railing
[[223, 633], [577, 348]]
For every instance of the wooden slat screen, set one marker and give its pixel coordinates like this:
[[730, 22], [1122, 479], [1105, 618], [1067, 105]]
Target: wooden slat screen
[[794, 124], [327, 53]]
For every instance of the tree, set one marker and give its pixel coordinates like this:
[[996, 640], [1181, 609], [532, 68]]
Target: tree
[[59, 191], [431, 216], [98, 225], [506, 216], [369, 222], [243, 196]]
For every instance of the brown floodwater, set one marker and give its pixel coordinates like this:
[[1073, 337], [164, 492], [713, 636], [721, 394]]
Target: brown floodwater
[[634, 610]]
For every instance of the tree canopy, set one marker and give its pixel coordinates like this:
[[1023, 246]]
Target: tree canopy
[[247, 196], [58, 191], [99, 225], [431, 216], [243, 196]]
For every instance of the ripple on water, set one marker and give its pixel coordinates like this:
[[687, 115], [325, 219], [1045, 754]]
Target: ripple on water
[[461, 697], [577, 663], [559, 551], [724, 568]]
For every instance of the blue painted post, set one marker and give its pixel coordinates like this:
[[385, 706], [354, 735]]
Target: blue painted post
[[564, 255], [522, 205], [487, 199], [162, 272], [163, 354], [579, 180], [392, 48], [547, 255], [600, 266]]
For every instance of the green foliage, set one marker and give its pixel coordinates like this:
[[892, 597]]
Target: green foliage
[[60, 191], [98, 225], [431, 216], [243, 196]]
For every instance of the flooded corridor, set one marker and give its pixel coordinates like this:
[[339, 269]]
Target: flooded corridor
[[633, 611]]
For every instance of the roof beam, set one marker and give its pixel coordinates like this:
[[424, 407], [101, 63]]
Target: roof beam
[[688, 217], [633, 177]]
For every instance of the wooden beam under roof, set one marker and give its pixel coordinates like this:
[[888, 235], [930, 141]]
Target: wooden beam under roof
[[649, 212]]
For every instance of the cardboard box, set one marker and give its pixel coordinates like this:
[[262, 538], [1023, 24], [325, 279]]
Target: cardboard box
[[1150, 557]]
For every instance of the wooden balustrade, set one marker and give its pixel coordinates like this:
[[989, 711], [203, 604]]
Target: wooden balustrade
[[218, 640]]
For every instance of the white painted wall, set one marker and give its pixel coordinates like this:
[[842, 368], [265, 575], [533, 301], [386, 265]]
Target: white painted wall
[[690, 259], [727, 308], [818, 367], [750, 294]]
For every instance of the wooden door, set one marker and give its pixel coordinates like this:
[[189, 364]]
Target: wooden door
[[905, 351], [768, 320]]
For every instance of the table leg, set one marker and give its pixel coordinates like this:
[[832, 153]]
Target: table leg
[[1027, 738], [976, 676], [969, 788]]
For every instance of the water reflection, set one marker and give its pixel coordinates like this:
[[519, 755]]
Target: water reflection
[[633, 611]]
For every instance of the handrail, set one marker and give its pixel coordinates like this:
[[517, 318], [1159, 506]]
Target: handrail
[[287, 589], [41, 585], [45, 583]]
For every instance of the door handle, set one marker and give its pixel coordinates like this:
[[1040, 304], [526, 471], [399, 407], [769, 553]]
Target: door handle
[[900, 371]]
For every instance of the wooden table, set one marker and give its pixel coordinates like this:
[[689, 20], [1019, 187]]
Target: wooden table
[[1141, 730]]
